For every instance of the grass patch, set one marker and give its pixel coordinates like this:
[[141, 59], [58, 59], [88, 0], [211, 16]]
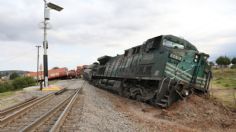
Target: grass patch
[[53, 82], [226, 96], [224, 86], [7, 94], [224, 79]]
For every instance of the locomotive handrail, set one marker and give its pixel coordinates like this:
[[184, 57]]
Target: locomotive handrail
[[166, 78], [162, 84], [176, 74], [207, 82]]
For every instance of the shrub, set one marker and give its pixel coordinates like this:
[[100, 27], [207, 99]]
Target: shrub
[[5, 87], [233, 66], [22, 82], [226, 85]]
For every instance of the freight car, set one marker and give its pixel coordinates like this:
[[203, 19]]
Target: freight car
[[72, 74], [161, 71], [58, 73], [79, 71]]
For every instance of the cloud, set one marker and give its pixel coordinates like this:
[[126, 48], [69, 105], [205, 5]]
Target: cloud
[[88, 29]]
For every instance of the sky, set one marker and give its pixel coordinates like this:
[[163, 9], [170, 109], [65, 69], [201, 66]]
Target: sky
[[87, 29]]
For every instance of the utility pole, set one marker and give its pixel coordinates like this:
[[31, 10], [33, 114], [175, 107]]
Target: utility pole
[[38, 63], [47, 7]]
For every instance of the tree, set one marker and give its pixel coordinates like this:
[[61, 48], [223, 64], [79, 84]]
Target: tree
[[223, 61], [56, 67], [211, 63], [14, 75], [233, 61]]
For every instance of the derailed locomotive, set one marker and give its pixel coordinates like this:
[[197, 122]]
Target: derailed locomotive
[[160, 71]]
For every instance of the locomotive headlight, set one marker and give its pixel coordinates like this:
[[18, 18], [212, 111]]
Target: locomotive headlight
[[176, 57], [185, 93], [196, 58]]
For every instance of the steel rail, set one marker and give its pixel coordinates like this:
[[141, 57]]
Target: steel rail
[[63, 115], [6, 119], [41, 119], [13, 108]]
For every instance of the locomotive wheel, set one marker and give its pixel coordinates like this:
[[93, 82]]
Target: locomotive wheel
[[125, 92], [138, 97]]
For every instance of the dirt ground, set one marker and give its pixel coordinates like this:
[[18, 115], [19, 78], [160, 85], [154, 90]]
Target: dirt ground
[[195, 113], [226, 96], [104, 111]]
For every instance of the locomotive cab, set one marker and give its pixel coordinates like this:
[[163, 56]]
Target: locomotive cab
[[185, 64]]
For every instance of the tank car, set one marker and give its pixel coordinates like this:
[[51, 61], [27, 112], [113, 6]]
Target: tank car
[[161, 71]]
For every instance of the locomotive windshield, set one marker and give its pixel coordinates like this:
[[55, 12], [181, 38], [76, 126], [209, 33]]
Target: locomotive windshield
[[172, 44]]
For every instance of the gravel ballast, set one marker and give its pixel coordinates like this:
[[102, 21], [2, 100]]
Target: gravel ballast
[[99, 113]]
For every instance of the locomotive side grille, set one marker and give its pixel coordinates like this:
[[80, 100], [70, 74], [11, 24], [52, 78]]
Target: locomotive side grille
[[172, 71]]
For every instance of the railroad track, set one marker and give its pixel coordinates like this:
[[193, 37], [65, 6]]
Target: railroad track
[[7, 111], [34, 100], [42, 116], [69, 118]]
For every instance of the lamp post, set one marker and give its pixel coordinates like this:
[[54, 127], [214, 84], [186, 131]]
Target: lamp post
[[47, 7]]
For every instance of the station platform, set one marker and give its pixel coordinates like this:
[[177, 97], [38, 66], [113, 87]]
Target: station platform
[[52, 88]]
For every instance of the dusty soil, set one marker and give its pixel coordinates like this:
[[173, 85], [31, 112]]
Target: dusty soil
[[100, 110], [105, 111], [192, 114], [226, 96]]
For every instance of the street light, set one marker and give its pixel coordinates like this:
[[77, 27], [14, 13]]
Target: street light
[[47, 6], [55, 7]]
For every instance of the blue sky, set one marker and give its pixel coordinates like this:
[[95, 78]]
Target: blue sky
[[88, 29]]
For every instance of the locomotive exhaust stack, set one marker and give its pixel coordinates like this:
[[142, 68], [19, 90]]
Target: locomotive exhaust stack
[[161, 70]]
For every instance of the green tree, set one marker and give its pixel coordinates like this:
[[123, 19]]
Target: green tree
[[233, 61], [14, 75], [211, 63], [56, 67], [223, 61]]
